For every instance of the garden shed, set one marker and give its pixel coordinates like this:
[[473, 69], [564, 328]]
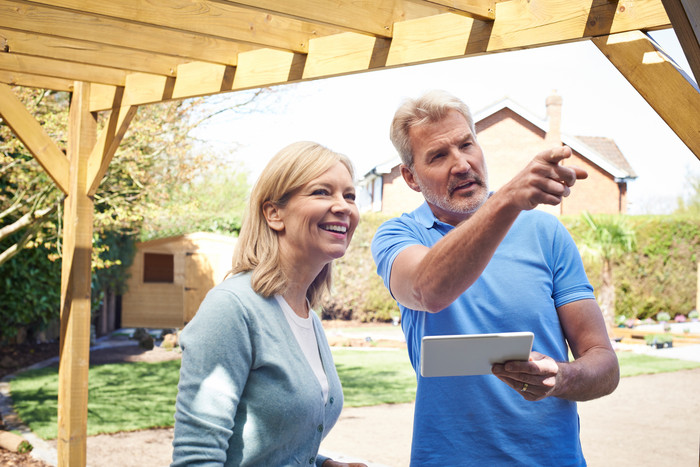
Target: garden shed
[[170, 277], [114, 57]]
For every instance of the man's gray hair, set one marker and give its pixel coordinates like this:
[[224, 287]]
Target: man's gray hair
[[431, 107]]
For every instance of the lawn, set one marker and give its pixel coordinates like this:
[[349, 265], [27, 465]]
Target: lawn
[[133, 396]]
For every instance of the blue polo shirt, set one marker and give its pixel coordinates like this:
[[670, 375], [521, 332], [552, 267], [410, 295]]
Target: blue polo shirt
[[479, 420]]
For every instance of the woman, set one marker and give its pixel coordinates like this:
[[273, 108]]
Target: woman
[[258, 385]]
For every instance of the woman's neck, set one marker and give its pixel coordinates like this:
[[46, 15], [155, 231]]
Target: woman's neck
[[296, 299], [300, 277]]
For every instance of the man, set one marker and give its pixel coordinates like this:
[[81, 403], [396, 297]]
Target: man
[[471, 262]]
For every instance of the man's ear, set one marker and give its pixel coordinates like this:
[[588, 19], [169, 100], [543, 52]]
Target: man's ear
[[272, 216], [407, 175]]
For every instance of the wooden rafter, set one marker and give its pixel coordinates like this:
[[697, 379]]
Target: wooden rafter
[[33, 136], [103, 42], [657, 78], [685, 17], [108, 142]]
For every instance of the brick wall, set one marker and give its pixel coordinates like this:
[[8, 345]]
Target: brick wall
[[397, 197]]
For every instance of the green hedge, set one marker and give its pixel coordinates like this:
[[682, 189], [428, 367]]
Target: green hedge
[[30, 292], [30, 288], [660, 275]]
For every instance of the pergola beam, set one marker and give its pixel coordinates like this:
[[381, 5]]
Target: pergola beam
[[220, 19], [134, 36], [92, 53], [685, 17], [431, 38], [33, 136], [659, 80], [76, 274], [108, 142], [14, 78]]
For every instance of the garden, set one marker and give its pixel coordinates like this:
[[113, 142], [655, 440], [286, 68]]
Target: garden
[[133, 390]]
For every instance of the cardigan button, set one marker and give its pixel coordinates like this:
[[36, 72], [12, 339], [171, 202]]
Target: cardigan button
[[320, 428], [330, 400], [311, 460]]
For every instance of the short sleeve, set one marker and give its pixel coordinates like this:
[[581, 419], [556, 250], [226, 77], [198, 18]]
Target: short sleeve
[[391, 238], [570, 282]]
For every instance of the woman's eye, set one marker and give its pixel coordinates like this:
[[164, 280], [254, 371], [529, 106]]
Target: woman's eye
[[350, 196], [320, 192]]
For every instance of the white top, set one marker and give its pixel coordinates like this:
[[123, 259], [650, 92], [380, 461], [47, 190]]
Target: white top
[[303, 329]]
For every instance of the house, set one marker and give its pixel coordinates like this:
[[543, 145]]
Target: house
[[510, 136], [170, 277]]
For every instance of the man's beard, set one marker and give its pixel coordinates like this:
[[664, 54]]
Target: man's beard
[[467, 204]]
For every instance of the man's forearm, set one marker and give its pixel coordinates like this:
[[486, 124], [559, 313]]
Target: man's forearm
[[593, 375], [456, 262]]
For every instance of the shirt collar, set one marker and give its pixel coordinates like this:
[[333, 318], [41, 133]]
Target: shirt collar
[[424, 215]]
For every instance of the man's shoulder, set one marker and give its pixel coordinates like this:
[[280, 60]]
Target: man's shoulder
[[536, 218], [421, 216]]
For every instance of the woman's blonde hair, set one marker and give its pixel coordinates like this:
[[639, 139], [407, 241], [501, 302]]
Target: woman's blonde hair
[[257, 248]]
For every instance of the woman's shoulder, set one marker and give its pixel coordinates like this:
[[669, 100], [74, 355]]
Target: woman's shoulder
[[239, 285], [232, 300]]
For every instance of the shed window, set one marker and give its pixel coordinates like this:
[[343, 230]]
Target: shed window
[[158, 267]]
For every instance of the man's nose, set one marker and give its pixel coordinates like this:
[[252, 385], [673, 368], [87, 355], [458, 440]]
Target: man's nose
[[460, 162]]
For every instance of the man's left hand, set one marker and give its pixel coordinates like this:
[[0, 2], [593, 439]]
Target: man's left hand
[[534, 379]]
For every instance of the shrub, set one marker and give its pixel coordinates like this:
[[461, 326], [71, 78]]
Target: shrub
[[30, 292], [663, 317], [665, 259], [358, 292]]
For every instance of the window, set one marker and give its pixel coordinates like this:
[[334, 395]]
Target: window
[[158, 267]]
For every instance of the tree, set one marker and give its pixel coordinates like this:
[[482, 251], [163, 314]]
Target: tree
[[29, 201], [160, 165], [606, 238]]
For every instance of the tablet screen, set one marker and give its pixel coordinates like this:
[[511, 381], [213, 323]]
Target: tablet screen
[[472, 354]]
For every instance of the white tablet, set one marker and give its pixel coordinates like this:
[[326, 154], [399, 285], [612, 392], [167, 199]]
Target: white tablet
[[472, 354]]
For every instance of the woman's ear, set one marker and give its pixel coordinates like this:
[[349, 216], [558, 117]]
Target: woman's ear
[[272, 216]]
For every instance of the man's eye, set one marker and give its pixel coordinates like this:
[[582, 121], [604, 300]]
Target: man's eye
[[466, 145], [437, 156]]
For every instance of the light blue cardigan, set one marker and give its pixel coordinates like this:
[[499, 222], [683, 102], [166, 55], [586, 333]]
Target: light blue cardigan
[[247, 395]]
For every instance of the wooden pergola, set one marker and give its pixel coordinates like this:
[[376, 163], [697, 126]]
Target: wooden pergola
[[116, 55]]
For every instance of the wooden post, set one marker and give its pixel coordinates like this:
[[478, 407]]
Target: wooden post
[[75, 286]]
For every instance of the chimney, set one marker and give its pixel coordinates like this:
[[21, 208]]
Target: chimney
[[553, 103]]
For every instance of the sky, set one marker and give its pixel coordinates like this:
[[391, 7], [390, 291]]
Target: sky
[[351, 114]]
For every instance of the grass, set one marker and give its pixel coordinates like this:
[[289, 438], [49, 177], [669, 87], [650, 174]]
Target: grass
[[134, 396], [375, 377], [121, 397], [634, 364]]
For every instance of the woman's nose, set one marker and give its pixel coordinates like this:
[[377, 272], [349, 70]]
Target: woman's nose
[[341, 204]]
